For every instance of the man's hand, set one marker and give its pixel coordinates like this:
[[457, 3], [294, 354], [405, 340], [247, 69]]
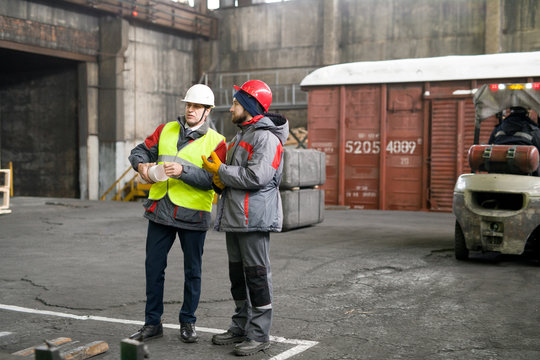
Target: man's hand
[[212, 167], [217, 182], [173, 169], [142, 169]]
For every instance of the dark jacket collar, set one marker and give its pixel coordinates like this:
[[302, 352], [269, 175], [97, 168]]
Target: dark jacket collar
[[201, 131]]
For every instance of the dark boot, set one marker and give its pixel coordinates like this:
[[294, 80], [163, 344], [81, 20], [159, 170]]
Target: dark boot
[[227, 338], [188, 333], [250, 347], [148, 332]]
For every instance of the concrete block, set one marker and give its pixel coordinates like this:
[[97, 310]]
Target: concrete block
[[44, 352], [133, 350], [302, 207], [303, 168]]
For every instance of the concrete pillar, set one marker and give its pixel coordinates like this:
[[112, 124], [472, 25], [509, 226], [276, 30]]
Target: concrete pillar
[[226, 3], [88, 131], [114, 42], [493, 27], [244, 2], [331, 32], [200, 6]]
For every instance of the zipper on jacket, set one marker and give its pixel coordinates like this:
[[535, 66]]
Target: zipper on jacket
[[236, 143], [175, 157], [178, 152], [225, 191]]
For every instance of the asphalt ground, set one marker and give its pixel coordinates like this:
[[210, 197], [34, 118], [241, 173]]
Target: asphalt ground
[[360, 285]]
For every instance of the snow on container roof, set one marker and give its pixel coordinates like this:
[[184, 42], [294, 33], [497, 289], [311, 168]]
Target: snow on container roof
[[445, 68]]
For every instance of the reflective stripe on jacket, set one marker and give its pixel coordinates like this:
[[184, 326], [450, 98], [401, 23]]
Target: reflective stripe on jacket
[[180, 193]]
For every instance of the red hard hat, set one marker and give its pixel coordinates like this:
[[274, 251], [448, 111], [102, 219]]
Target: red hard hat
[[259, 90]]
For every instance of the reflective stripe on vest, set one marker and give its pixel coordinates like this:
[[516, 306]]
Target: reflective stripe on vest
[[180, 193], [517, 133]]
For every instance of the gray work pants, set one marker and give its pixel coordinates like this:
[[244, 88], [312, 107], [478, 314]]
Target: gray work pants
[[251, 284]]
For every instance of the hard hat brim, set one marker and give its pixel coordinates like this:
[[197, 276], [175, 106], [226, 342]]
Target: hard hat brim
[[194, 102]]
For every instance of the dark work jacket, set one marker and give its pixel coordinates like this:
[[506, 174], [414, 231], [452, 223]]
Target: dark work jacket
[[505, 133], [517, 129]]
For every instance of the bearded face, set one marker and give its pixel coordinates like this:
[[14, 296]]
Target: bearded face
[[238, 113], [238, 119]]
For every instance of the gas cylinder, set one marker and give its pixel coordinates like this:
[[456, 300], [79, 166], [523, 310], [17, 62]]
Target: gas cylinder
[[505, 159]]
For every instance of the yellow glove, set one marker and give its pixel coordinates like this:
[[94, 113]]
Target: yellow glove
[[212, 167], [217, 182]]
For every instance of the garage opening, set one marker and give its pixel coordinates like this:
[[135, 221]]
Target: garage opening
[[39, 123]]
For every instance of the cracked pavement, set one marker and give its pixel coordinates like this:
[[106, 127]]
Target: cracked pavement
[[363, 284]]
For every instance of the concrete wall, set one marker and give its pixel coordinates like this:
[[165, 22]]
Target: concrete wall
[[520, 25], [388, 29], [157, 72], [270, 36], [278, 43], [291, 37], [130, 76], [154, 70], [293, 34], [129, 79], [49, 28]]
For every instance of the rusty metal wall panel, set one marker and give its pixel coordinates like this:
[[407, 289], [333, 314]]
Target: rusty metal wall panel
[[452, 134], [158, 12], [387, 167], [403, 148], [468, 136], [323, 115], [361, 110], [362, 146], [450, 144], [443, 154], [48, 39]]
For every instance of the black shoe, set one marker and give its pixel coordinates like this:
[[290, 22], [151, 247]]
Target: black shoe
[[250, 347], [148, 332], [188, 333], [227, 338]]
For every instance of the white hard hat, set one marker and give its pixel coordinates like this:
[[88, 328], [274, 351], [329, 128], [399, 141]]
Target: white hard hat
[[200, 94]]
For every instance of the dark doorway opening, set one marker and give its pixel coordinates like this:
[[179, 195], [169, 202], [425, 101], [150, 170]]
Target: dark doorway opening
[[39, 123]]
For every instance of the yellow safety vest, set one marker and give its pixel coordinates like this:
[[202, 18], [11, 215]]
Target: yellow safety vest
[[180, 193]]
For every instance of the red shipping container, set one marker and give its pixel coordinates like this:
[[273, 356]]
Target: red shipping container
[[396, 133]]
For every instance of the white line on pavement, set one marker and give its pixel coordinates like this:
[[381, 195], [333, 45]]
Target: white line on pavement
[[301, 345]]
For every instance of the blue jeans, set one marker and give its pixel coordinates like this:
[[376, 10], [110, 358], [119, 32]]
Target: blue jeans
[[159, 241]]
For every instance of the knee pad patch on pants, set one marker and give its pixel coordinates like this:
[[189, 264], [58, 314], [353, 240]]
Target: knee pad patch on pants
[[238, 283], [257, 282]]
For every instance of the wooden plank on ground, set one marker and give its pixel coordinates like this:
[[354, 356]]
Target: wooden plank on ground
[[31, 350], [86, 351]]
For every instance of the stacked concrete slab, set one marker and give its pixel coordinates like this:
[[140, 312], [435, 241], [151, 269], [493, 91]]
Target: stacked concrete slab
[[304, 170]]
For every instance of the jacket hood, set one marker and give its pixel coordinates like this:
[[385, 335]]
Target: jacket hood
[[275, 123]]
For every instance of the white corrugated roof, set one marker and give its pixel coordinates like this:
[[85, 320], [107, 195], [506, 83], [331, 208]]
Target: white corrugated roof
[[459, 67]]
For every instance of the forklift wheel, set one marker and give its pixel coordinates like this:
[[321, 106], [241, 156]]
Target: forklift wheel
[[460, 247]]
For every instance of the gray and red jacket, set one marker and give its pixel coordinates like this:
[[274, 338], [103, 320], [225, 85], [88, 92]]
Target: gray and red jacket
[[252, 173]]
